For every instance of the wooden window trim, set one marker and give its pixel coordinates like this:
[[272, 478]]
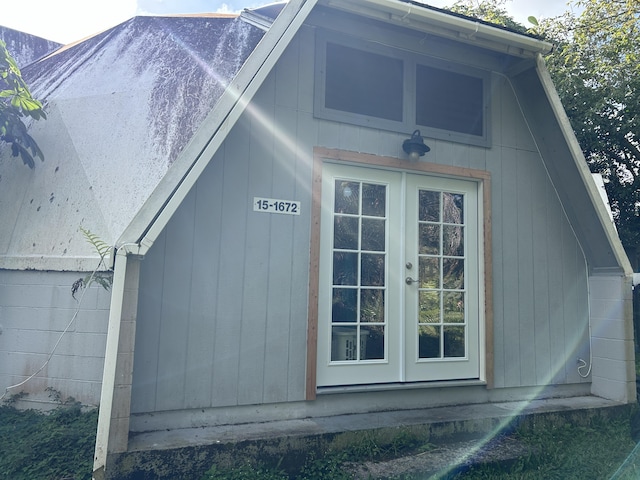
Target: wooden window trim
[[362, 159]]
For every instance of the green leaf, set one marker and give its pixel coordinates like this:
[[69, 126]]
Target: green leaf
[[16, 102]]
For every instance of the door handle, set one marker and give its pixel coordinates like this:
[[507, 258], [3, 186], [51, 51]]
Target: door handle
[[410, 280]]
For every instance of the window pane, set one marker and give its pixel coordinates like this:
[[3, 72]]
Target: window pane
[[345, 268], [372, 343], [372, 305], [429, 342], [429, 239], [373, 235], [429, 272], [429, 206], [454, 342], [453, 307], [374, 200], [429, 307], [372, 270], [344, 307], [449, 100], [364, 83], [453, 241], [345, 232], [344, 343], [453, 208], [453, 274], [347, 197]]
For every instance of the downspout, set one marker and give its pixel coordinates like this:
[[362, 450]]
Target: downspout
[[110, 364]]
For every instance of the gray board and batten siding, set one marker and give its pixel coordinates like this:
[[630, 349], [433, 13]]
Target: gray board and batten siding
[[223, 307]]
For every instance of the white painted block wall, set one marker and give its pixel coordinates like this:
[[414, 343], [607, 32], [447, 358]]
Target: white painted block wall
[[35, 309], [611, 304]]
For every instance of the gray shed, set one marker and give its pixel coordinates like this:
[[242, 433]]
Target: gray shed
[[280, 252]]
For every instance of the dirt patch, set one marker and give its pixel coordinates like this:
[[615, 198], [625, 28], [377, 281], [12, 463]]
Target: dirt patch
[[444, 459]]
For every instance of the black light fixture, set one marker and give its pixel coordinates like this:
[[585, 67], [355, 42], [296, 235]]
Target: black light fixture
[[415, 146]]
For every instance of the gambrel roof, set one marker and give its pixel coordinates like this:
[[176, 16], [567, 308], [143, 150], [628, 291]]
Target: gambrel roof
[[137, 112]]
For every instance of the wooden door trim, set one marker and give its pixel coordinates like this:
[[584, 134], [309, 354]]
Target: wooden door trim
[[320, 154]]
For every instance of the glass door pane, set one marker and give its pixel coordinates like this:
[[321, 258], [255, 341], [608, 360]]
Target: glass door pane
[[441, 289], [358, 320]]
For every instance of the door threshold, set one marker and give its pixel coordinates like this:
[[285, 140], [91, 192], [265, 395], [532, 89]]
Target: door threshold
[[379, 387]]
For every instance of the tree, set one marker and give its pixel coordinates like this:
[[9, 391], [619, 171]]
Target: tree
[[16, 103], [492, 11], [596, 70], [597, 74]]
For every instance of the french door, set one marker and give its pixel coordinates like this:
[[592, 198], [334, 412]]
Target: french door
[[399, 286]]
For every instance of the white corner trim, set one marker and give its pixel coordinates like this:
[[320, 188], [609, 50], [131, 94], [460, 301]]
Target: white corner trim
[[110, 363]]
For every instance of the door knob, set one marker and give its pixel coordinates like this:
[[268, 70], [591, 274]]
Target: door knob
[[410, 280]]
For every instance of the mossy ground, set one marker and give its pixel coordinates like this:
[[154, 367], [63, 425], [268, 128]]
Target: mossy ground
[[59, 445], [45, 446]]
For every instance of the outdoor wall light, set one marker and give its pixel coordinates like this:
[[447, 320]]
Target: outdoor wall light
[[415, 146]]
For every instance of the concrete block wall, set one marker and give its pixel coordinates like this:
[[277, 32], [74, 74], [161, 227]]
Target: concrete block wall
[[35, 309], [612, 341]]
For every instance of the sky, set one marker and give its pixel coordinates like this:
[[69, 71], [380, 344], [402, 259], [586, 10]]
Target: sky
[[66, 21]]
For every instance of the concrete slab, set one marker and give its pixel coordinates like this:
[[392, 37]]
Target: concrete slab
[[494, 415], [458, 436]]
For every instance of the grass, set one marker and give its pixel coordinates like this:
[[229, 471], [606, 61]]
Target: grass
[[602, 450], [54, 446]]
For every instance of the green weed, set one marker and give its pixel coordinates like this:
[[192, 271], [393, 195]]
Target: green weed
[[569, 452], [38, 446], [244, 472]]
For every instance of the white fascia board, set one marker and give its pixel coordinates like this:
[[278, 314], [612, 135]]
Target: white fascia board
[[581, 165], [444, 24], [599, 180], [173, 188]]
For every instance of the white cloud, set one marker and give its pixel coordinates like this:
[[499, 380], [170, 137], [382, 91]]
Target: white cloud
[[224, 8], [65, 20]]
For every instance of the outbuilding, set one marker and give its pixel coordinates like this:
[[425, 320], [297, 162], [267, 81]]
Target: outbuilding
[[381, 205]]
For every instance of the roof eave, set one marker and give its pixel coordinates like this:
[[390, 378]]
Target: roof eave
[[440, 23], [599, 208]]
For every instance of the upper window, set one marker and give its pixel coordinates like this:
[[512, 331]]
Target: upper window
[[449, 101], [364, 83], [380, 87]]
